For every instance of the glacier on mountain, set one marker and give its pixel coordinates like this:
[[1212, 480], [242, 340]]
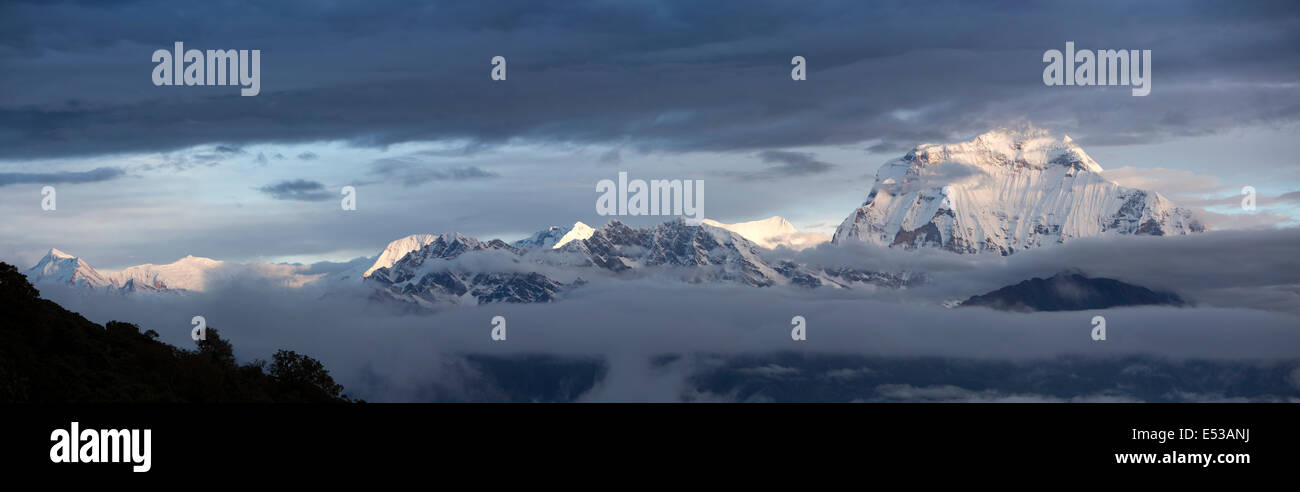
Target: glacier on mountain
[[1002, 192]]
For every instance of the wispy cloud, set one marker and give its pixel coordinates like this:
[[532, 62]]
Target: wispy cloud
[[410, 172], [297, 189], [64, 177], [788, 165]]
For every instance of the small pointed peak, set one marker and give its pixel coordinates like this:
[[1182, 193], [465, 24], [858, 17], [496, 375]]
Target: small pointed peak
[[191, 259], [55, 253]]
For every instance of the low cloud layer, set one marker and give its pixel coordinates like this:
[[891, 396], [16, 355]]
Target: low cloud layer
[[1209, 268], [613, 339]]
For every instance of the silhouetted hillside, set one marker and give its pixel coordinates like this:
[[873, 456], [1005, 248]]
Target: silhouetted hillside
[[49, 354], [1071, 292]]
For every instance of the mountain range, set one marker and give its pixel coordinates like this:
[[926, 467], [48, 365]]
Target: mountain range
[[1002, 192]]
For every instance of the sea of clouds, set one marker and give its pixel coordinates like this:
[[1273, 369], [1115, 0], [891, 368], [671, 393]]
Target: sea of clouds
[[659, 339]]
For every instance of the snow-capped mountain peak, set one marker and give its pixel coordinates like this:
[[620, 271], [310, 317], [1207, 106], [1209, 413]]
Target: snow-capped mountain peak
[[1004, 191], [578, 232], [191, 273], [555, 236], [1019, 148], [399, 248], [442, 246], [62, 268], [772, 232], [188, 273]]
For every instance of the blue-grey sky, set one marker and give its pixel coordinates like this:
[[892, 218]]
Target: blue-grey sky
[[395, 99]]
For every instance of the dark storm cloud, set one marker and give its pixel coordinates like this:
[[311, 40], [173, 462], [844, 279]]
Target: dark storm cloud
[[410, 172], [888, 147], [298, 189], [660, 75], [611, 156], [91, 176], [789, 164]]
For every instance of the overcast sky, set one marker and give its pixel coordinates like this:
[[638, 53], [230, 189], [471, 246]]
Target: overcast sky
[[395, 99]]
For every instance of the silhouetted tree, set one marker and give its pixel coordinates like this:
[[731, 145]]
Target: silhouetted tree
[[215, 349], [14, 284], [305, 373]]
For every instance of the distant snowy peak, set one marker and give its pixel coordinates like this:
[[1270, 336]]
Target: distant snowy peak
[[578, 232], [57, 267], [543, 239], [772, 232], [191, 273], [555, 236], [442, 246], [711, 252], [1002, 192], [62, 268], [428, 277], [188, 273], [399, 248]]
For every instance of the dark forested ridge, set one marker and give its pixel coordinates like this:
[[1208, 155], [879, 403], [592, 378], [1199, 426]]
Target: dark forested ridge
[[50, 354], [1072, 292]]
